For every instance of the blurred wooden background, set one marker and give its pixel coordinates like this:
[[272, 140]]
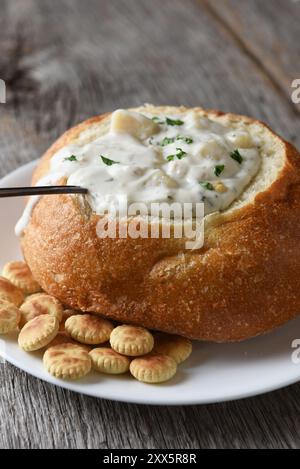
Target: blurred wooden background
[[65, 60]]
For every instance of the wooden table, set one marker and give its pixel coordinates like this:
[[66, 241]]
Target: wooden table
[[65, 60]]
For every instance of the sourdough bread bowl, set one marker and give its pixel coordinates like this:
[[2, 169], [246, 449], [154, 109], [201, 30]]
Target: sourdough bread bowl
[[242, 282]]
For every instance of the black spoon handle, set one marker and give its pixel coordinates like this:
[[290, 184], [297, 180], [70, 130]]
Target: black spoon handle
[[41, 190]]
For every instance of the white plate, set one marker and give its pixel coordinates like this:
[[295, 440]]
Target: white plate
[[213, 373]]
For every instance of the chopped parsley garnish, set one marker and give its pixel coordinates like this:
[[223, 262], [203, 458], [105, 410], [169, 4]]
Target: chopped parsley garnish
[[71, 158], [173, 121], [157, 120], [171, 157], [179, 155], [168, 121], [219, 169], [167, 141], [107, 161], [207, 185], [235, 155], [187, 140]]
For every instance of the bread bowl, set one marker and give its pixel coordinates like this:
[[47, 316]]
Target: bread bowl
[[244, 280]]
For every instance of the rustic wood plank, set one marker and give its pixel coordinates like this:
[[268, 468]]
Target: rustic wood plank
[[36, 415], [65, 60], [268, 32]]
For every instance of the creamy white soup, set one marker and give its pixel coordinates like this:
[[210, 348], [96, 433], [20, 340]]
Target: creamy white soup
[[157, 158]]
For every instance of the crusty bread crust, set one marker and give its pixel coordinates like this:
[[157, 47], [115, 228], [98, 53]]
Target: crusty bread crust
[[243, 282]]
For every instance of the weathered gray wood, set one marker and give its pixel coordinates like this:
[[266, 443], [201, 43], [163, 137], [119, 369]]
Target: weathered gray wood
[[268, 32], [65, 60]]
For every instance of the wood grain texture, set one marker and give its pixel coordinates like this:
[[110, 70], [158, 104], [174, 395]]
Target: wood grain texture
[[65, 60], [268, 32]]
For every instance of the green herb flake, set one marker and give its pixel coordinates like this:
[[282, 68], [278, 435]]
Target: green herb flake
[[167, 141], [107, 161], [170, 157], [187, 140], [235, 155], [71, 158], [179, 155], [219, 169], [157, 120], [170, 121], [207, 185]]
